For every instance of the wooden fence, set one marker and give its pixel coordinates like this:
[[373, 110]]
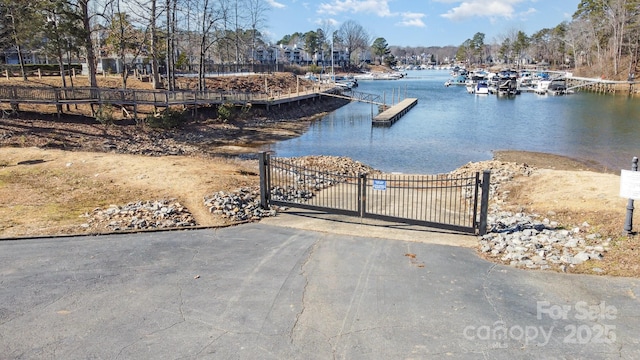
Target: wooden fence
[[16, 95]]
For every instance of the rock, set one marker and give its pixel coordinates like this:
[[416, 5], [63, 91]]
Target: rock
[[241, 205], [141, 215], [582, 257], [521, 241]]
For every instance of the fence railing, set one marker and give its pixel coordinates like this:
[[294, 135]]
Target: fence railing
[[443, 201], [49, 95]]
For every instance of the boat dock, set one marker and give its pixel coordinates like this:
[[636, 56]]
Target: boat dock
[[394, 113]]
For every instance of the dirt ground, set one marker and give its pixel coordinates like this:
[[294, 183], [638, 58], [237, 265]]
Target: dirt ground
[[54, 170]]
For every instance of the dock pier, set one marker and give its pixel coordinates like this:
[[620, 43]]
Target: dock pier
[[394, 113]]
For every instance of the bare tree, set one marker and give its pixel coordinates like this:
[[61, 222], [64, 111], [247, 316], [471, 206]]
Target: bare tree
[[147, 13], [327, 29], [610, 20], [86, 16], [354, 37], [617, 15], [211, 19], [171, 9], [124, 39], [257, 15]]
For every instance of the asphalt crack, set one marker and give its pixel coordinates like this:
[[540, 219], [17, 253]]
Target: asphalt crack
[[305, 276], [486, 293]]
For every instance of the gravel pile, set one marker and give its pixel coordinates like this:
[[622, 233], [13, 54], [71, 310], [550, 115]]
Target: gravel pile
[[501, 173], [160, 214], [338, 165], [309, 174], [241, 205], [530, 240]]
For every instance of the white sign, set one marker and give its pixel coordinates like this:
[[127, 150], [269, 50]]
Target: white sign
[[630, 184], [380, 185]]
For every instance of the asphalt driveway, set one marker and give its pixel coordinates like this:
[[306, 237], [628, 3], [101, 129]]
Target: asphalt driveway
[[262, 291]]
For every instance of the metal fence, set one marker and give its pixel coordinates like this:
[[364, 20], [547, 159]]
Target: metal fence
[[442, 201]]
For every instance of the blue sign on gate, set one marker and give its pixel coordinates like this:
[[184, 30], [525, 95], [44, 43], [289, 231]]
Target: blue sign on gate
[[380, 185]]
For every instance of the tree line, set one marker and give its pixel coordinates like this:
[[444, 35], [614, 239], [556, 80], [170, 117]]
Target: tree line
[[174, 34], [602, 34], [168, 34], [165, 33]]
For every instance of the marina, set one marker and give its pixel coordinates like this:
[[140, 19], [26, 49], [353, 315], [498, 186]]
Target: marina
[[447, 128], [509, 82]]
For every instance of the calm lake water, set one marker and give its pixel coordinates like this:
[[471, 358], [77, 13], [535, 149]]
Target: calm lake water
[[449, 128]]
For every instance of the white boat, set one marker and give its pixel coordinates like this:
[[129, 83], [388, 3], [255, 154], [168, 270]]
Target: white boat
[[542, 87], [365, 76], [526, 84], [557, 87], [388, 76], [507, 86], [482, 88], [311, 76], [379, 76], [346, 82], [471, 86]]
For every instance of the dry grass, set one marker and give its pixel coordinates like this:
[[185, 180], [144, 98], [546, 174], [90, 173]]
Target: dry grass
[[573, 198], [44, 192]]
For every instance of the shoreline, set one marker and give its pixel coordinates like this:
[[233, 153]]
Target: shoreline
[[551, 161]]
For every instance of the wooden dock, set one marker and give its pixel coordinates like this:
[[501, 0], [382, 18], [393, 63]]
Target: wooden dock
[[394, 113]]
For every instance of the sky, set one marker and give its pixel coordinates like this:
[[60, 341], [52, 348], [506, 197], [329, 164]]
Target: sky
[[420, 22]]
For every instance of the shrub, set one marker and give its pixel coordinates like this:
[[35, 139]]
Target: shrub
[[226, 111], [104, 114], [166, 119], [313, 68]]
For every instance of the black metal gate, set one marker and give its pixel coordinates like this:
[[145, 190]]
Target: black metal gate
[[443, 201]]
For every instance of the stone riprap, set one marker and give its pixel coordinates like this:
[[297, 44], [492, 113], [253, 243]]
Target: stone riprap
[[530, 240], [521, 240], [336, 165], [517, 239], [241, 205], [302, 177], [141, 215]]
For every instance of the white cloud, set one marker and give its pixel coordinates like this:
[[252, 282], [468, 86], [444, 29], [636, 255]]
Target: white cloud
[[529, 11], [329, 21], [275, 4], [411, 20], [481, 8], [378, 7]]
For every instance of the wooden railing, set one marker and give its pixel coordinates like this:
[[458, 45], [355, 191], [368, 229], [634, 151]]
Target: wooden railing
[[160, 98]]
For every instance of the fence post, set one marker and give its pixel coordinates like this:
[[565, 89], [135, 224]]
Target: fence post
[[484, 203], [362, 195], [263, 159], [57, 98], [628, 223]]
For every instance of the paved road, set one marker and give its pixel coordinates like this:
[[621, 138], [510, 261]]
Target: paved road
[[261, 291]]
